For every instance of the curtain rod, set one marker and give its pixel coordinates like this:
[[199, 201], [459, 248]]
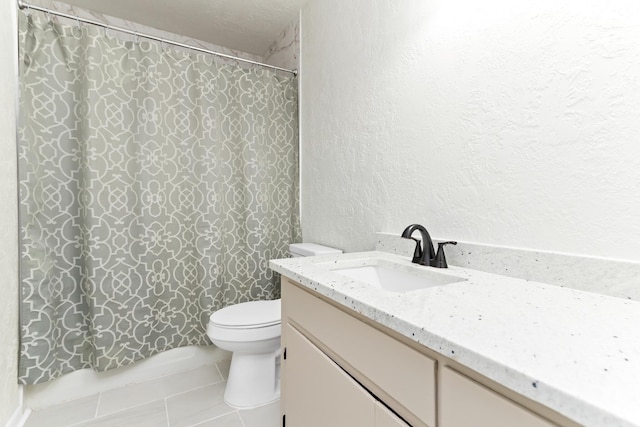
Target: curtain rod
[[23, 5]]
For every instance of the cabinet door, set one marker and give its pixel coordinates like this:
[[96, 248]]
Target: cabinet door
[[318, 392], [386, 418], [385, 366], [465, 403]]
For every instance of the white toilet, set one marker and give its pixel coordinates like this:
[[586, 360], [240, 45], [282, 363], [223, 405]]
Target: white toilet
[[251, 331]]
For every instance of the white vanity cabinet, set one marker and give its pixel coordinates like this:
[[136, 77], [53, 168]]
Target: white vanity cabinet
[[341, 369]]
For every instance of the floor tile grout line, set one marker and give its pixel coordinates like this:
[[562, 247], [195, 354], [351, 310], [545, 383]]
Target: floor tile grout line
[[218, 417], [166, 409], [193, 389], [160, 376], [166, 412], [241, 419], [164, 397], [95, 415], [218, 367], [117, 412]]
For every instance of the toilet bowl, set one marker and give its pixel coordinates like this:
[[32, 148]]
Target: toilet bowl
[[251, 331]]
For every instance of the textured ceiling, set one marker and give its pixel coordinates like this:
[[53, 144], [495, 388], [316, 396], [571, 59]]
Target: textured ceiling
[[246, 25]]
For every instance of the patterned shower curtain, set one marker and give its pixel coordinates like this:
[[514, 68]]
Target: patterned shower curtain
[[155, 185]]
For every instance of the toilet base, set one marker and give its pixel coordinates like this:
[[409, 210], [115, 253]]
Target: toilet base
[[254, 380]]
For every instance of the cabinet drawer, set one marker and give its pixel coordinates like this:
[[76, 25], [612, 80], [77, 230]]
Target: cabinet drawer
[[386, 366], [465, 403]]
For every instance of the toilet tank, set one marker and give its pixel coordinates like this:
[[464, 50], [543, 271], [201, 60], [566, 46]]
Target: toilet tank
[[311, 249]]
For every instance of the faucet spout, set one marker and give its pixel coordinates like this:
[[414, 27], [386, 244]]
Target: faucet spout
[[424, 254]]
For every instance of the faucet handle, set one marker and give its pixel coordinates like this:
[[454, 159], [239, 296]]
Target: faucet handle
[[440, 261], [417, 253]]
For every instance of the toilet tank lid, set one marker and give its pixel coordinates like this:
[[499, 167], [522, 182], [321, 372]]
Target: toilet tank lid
[[311, 249]]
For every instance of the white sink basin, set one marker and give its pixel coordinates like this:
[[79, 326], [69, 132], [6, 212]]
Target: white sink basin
[[383, 277]]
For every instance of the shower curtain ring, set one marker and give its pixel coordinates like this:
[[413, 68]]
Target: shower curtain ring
[[48, 16], [78, 26], [137, 38]]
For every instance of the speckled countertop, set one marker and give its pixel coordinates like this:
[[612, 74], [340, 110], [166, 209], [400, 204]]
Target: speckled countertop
[[575, 352]]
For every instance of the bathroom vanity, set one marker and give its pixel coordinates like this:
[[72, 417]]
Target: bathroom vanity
[[475, 350]]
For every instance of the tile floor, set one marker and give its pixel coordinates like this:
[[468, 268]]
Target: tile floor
[[193, 398]]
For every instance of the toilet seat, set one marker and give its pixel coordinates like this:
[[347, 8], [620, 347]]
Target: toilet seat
[[247, 315]]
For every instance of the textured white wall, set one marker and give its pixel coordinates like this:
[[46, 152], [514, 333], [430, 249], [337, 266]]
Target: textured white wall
[[9, 394], [498, 122]]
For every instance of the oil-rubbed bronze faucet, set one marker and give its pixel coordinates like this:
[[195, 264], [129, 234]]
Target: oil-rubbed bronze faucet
[[424, 254]]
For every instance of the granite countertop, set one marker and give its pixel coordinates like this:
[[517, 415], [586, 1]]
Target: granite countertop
[[575, 352]]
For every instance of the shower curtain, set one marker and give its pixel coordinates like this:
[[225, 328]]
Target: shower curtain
[[155, 185]]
